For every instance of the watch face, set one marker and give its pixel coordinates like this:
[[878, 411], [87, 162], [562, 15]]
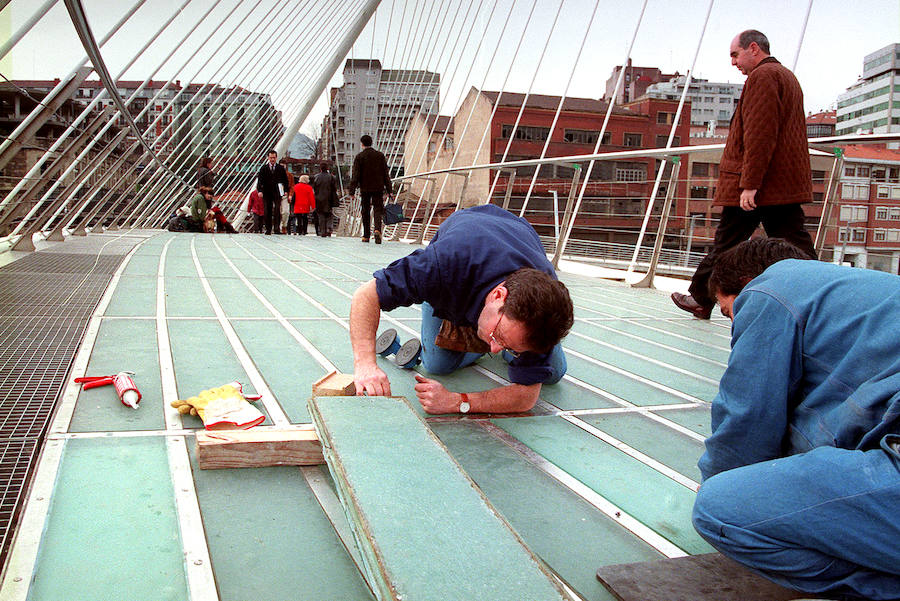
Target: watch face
[[463, 407]]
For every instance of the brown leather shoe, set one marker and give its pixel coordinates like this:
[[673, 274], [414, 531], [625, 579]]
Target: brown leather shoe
[[377, 237], [365, 240], [686, 302]]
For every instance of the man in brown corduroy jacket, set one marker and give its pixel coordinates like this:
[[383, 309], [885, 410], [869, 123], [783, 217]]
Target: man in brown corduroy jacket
[[764, 173]]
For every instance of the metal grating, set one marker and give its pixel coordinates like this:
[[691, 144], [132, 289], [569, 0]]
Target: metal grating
[[46, 301]]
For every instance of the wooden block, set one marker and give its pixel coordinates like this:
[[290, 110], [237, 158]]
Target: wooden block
[[710, 576], [335, 384], [257, 448]]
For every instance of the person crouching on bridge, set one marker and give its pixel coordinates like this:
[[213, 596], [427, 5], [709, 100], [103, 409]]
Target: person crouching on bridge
[[485, 285], [801, 475]]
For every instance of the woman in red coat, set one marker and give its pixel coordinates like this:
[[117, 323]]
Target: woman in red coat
[[304, 203]]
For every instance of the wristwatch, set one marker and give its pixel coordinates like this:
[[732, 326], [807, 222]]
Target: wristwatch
[[464, 405]]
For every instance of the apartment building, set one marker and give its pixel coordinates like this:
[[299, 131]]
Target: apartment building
[[872, 105]]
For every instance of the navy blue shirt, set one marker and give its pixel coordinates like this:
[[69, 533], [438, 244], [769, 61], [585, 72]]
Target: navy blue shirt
[[473, 251]]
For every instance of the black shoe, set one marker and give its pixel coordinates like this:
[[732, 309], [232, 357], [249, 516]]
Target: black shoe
[[365, 240], [686, 302], [377, 237]]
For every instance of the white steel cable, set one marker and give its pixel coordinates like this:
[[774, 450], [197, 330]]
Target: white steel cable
[[431, 133], [512, 135], [612, 101], [662, 165], [559, 107], [802, 35], [458, 144]]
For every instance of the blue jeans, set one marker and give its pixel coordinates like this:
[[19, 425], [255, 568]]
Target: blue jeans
[[823, 521], [438, 361]]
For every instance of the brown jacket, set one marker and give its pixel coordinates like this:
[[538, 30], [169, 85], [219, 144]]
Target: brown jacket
[[766, 149]]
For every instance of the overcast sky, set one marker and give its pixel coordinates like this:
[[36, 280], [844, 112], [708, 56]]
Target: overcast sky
[[839, 34]]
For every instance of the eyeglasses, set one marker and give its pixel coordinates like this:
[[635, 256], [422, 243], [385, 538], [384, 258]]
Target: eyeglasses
[[515, 354]]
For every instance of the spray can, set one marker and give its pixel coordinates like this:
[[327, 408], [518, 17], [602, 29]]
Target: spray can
[[125, 387]]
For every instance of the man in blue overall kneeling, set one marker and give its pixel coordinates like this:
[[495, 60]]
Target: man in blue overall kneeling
[[485, 285], [801, 475]]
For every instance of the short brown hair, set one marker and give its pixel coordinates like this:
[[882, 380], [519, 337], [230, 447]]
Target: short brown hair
[[735, 267], [542, 303]]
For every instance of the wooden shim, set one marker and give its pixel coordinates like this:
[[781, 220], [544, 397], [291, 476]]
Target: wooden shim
[[707, 577], [257, 448], [334, 384]]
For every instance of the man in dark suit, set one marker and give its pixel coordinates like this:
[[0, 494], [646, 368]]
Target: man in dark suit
[[272, 183], [371, 176]]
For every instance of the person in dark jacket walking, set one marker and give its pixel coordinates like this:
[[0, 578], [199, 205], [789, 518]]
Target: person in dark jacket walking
[[371, 176], [272, 183], [325, 187]]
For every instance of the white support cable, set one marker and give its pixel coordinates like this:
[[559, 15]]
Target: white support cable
[[97, 137], [559, 107], [802, 35], [459, 139], [458, 145], [326, 74], [496, 103], [659, 174], [398, 83], [434, 107], [26, 27], [431, 133], [612, 101], [387, 38], [181, 151], [401, 114], [94, 190], [512, 135], [185, 144], [270, 120], [170, 103], [34, 172]]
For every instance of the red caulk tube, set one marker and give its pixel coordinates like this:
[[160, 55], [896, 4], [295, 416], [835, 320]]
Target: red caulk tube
[[125, 386]]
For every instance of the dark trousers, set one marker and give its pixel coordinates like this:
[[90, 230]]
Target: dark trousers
[[257, 223], [301, 223], [324, 223], [737, 225], [375, 200], [273, 214]]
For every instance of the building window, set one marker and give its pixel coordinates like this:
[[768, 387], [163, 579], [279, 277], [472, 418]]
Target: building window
[[893, 235], [862, 171], [699, 192], [894, 214], [881, 213], [883, 192], [630, 172], [633, 140], [700, 170], [584, 136], [857, 234], [849, 171], [854, 213], [662, 140], [665, 118], [855, 191], [526, 132], [709, 99], [880, 235]]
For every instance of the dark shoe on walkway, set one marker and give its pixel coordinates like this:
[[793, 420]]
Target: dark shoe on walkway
[[365, 240], [377, 237], [686, 302]]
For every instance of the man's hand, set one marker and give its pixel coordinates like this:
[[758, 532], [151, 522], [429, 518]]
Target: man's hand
[[371, 380], [748, 199], [434, 397]]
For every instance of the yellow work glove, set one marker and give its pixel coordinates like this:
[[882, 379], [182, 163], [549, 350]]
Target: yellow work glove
[[222, 408]]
